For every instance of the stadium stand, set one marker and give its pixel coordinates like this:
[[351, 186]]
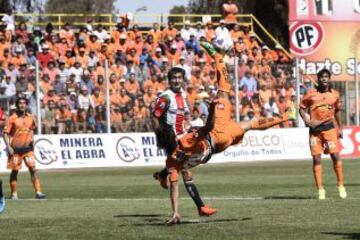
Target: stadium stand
[[73, 81]]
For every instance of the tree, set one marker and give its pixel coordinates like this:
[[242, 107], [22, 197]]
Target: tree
[[177, 10]]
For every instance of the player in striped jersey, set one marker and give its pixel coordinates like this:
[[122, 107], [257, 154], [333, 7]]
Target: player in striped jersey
[[168, 122]]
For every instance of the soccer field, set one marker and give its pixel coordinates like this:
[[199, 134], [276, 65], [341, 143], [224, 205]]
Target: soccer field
[[273, 200]]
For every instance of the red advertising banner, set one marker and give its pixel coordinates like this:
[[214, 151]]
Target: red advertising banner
[[350, 143], [326, 33]]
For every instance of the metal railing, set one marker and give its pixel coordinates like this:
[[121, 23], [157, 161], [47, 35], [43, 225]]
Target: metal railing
[[58, 20]]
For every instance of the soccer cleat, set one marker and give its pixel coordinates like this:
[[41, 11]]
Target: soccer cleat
[[209, 48], [2, 204], [173, 221], [206, 211], [321, 194], [40, 195], [13, 197], [164, 182], [342, 192]]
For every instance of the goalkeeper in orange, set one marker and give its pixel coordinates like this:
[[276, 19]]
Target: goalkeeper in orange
[[219, 133]]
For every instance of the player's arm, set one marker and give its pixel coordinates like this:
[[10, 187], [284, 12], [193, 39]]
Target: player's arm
[[7, 130], [158, 109], [304, 109], [338, 117]]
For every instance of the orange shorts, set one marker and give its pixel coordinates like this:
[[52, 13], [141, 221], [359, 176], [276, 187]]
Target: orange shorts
[[15, 161], [324, 142], [227, 136]]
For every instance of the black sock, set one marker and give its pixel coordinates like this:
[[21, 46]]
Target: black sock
[[1, 190], [194, 194], [164, 173]]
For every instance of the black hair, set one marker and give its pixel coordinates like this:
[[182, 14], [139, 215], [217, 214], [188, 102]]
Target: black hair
[[175, 70], [323, 71], [19, 99]]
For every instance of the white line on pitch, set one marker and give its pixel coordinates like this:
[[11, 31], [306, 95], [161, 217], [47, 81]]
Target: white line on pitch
[[136, 199]]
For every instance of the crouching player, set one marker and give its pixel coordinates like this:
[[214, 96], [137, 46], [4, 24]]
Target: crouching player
[[219, 133], [19, 139]]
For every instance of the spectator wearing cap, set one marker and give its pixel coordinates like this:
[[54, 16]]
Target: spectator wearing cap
[[123, 45], [61, 47], [10, 86], [222, 31], [229, 11], [199, 31], [185, 67], [193, 44], [18, 59], [173, 55], [50, 95], [186, 31], [170, 31], [129, 68], [93, 60], [51, 70], [145, 55], [86, 82], [142, 73], [253, 42], [270, 108], [124, 99], [132, 55], [118, 68], [92, 43], [45, 56], [209, 31], [82, 57], [69, 58], [21, 84], [84, 99], [77, 71]]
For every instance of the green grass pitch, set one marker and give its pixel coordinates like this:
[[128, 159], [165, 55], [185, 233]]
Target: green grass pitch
[[262, 200]]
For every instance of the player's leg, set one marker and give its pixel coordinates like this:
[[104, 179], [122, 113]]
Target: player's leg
[[174, 167], [264, 123], [204, 210], [35, 179], [13, 184], [316, 149], [331, 146], [2, 199], [223, 78], [29, 159]]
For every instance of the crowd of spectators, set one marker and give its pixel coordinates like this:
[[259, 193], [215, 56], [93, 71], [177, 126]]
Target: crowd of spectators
[[73, 81]]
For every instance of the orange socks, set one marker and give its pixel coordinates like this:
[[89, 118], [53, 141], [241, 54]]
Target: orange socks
[[265, 123], [339, 172], [317, 169], [222, 74]]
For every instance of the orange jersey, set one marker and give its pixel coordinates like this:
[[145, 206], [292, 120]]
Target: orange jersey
[[20, 129], [322, 106]]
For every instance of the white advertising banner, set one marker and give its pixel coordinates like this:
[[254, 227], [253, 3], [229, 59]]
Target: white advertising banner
[[139, 149]]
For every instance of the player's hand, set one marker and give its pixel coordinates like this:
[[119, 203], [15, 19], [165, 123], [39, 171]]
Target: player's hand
[[340, 133], [175, 219], [11, 151]]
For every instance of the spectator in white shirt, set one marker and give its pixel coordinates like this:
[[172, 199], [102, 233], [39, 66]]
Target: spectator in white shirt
[[186, 31], [84, 100], [270, 108], [222, 31], [77, 71]]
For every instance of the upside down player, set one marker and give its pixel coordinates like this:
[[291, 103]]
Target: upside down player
[[219, 133], [19, 139], [323, 105], [168, 117]]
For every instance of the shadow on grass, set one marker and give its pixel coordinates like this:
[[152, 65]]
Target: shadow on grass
[[344, 235], [138, 215], [288, 198]]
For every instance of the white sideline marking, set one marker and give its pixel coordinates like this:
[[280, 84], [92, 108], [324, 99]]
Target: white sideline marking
[[135, 199]]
